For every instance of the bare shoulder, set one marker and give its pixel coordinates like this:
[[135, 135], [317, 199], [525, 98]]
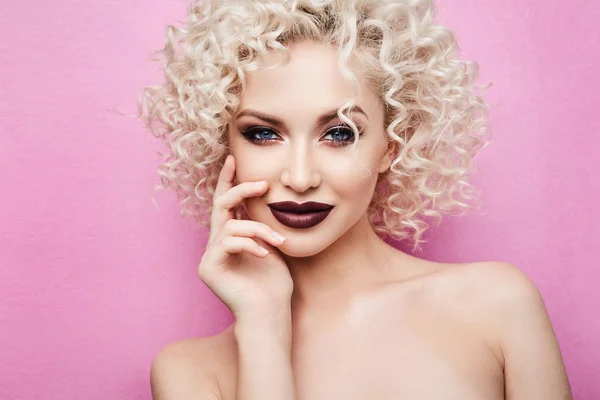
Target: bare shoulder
[[471, 292], [490, 280], [493, 295], [487, 288], [190, 369], [511, 312], [491, 277]]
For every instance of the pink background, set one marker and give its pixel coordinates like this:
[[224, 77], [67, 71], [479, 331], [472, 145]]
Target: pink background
[[94, 280]]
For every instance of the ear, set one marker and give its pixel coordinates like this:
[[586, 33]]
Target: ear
[[389, 156]]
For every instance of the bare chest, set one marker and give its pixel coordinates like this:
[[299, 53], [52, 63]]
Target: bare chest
[[375, 355], [417, 343]]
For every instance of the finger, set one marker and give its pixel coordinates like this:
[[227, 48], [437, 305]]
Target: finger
[[224, 183], [234, 196], [226, 175], [235, 245], [252, 229]]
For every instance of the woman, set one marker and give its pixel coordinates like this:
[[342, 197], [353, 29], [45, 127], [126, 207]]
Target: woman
[[307, 130]]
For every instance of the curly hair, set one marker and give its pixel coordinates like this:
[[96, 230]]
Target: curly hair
[[431, 106]]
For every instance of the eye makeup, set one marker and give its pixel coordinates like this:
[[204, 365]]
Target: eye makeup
[[341, 135]]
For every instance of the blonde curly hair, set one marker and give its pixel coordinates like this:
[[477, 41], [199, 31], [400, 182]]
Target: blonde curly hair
[[432, 109]]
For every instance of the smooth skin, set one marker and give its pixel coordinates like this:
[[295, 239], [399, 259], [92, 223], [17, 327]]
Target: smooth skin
[[241, 272], [333, 312]]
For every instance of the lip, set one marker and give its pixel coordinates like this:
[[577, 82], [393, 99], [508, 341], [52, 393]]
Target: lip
[[300, 216]]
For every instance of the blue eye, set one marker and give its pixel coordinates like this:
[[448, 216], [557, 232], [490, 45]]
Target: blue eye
[[259, 134], [341, 134]]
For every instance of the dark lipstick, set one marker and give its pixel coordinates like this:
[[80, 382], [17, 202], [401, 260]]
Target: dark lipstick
[[300, 216]]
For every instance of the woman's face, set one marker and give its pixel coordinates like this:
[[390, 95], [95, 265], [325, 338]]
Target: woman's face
[[286, 132]]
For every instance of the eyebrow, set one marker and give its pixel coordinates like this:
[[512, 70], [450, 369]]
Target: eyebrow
[[322, 120]]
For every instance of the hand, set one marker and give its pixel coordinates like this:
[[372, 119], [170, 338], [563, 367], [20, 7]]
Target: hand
[[241, 264]]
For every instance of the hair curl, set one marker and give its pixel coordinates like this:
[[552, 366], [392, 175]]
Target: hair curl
[[432, 109]]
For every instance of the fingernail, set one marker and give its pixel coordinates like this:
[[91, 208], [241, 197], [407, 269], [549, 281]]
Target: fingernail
[[263, 251], [278, 236], [259, 185]]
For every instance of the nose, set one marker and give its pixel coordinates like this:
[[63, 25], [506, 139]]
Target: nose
[[300, 172]]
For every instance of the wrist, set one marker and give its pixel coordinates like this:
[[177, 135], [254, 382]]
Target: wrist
[[273, 324], [264, 316]]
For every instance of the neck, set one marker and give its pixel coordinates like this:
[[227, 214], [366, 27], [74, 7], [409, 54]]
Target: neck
[[356, 260]]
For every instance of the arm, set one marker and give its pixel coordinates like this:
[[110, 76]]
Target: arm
[[264, 358], [533, 364]]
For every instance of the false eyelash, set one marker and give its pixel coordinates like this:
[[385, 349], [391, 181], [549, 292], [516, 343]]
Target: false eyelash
[[248, 135], [344, 142]]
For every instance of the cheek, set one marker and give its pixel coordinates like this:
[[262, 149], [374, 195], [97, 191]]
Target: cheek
[[245, 155], [354, 179], [247, 169]]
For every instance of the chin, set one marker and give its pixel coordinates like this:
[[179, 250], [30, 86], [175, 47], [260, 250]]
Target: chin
[[297, 248]]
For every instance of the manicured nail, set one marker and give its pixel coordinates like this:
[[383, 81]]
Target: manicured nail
[[263, 251], [278, 236]]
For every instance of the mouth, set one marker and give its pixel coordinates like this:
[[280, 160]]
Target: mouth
[[300, 216]]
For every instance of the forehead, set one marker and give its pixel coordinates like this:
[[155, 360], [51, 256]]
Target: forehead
[[312, 78]]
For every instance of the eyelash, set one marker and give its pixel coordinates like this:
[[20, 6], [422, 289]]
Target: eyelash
[[250, 132]]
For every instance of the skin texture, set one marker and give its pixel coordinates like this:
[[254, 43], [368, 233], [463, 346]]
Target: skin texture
[[368, 321]]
